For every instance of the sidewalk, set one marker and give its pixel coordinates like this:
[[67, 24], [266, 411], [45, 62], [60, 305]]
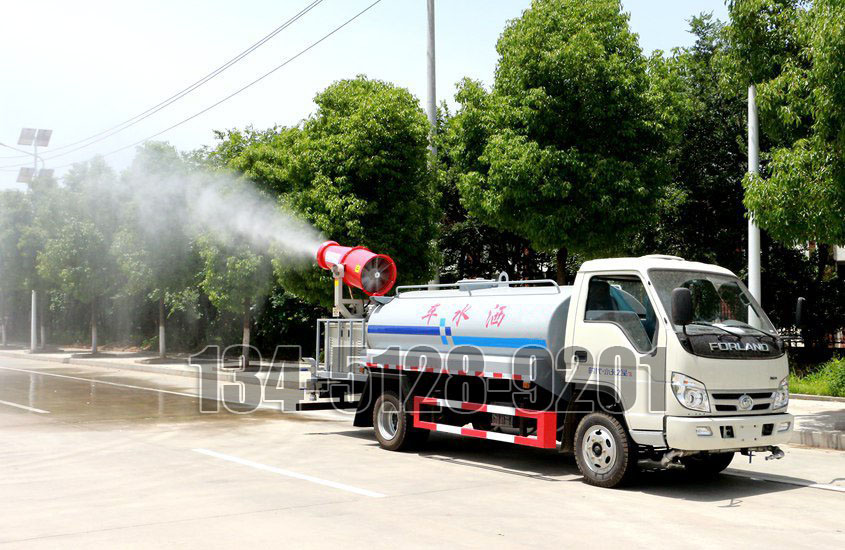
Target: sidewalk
[[818, 423]]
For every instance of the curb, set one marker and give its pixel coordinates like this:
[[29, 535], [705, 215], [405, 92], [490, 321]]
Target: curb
[[811, 397], [820, 440]]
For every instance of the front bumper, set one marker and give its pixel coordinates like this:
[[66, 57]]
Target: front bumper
[[727, 432]]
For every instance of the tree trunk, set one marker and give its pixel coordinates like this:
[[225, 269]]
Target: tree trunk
[[94, 326], [561, 256], [245, 342], [822, 257], [162, 348]]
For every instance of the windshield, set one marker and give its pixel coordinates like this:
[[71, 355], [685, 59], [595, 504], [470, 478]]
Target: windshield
[[718, 301]]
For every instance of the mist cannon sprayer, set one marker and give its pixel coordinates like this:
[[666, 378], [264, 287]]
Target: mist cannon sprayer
[[374, 274]]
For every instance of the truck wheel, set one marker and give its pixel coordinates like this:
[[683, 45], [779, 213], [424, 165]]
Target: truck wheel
[[393, 426], [706, 465], [604, 452]]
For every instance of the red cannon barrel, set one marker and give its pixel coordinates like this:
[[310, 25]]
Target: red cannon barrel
[[375, 274]]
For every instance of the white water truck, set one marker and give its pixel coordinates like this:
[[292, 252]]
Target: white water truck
[[648, 362]]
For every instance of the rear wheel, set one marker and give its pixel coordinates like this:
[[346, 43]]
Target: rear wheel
[[604, 452], [393, 426], [705, 465]]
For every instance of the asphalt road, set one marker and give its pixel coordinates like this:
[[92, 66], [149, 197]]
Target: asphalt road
[[98, 458]]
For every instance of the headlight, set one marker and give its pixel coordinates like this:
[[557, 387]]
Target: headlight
[[781, 396], [690, 392]]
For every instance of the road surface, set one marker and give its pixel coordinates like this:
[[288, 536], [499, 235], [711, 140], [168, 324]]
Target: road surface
[[92, 457]]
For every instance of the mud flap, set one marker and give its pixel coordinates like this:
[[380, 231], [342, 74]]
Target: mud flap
[[364, 413]]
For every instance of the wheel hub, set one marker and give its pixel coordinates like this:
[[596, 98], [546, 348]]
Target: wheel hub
[[599, 449], [388, 420]]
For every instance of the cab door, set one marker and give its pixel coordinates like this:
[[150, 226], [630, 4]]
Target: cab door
[[617, 344]]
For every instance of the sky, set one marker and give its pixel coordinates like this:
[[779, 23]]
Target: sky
[[85, 66]]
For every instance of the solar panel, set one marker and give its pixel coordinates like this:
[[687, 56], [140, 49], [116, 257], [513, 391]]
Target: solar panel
[[25, 175], [42, 138], [27, 136]]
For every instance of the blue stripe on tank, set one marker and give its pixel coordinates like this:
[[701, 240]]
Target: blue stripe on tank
[[489, 342], [390, 329]]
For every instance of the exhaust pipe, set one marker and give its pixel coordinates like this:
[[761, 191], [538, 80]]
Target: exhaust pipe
[[777, 453]]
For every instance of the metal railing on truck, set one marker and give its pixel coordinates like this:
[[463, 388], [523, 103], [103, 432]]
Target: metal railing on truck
[[468, 286], [343, 347]]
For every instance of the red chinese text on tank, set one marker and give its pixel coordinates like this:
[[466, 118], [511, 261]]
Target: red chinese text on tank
[[495, 316]]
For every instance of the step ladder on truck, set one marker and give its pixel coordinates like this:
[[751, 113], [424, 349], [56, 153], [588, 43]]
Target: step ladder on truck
[[642, 362]]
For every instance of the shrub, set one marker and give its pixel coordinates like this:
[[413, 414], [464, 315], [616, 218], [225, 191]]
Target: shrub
[[827, 379]]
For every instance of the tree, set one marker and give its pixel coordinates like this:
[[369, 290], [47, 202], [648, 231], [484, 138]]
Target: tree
[[236, 279], [704, 122], [563, 150], [471, 248], [153, 247], [15, 217], [795, 53], [357, 170], [77, 255]]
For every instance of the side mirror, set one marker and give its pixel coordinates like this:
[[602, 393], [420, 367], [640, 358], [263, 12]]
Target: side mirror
[[681, 306], [800, 307]]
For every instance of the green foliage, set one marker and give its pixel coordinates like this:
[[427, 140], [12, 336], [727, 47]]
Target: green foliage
[[562, 151], [15, 217], [233, 278], [763, 38], [471, 248], [357, 171], [828, 379], [795, 51], [77, 255], [704, 123], [153, 247]]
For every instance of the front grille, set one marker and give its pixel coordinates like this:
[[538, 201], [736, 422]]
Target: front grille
[[737, 395], [727, 401], [731, 408]]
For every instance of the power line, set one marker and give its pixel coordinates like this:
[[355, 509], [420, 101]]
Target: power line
[[107, 133], [243, 88]]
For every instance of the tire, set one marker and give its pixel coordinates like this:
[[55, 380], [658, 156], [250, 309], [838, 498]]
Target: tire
[[393, 426], [707, 465], [605, 454]]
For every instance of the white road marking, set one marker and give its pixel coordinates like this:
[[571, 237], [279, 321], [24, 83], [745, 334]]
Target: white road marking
[[288, 473], [31, 409], [100, 381]]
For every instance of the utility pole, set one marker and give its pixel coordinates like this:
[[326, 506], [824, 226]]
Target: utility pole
[[33, 328], [754, 284], [432, 79], [431, 104]]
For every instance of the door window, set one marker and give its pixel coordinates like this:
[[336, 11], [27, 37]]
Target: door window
[[623, 301]]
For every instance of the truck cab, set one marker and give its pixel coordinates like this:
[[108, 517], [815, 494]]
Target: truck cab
[[694, 390]]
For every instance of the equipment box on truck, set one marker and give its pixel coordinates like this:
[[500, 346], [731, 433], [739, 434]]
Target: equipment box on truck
[[651, 360]]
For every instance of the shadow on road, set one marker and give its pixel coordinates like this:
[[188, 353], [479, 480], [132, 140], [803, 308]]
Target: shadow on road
[[544, 465]]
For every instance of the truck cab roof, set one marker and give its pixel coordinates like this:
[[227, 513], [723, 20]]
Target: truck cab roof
[[645, 263]]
